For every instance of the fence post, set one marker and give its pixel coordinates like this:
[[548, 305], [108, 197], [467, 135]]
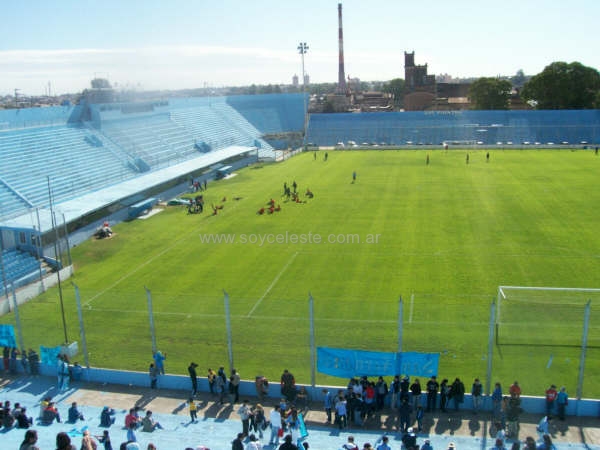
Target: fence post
[[228, 326], [151, 318], [584, 341], [400, 323], [17, 317], [490, 355], [81, 327], [311, 313]]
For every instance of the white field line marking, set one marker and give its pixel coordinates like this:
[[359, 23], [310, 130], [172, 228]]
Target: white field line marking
[[158, 255], [273, 283], [412, 304]]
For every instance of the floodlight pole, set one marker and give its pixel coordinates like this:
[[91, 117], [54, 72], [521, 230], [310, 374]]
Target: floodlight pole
[[58, 262], [302, 49]]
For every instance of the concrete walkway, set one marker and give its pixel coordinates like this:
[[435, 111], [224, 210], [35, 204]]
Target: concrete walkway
[[219, 424]]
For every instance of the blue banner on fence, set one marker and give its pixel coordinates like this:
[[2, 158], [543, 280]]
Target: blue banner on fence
[[7, 336], [351, 363], [48, 355]]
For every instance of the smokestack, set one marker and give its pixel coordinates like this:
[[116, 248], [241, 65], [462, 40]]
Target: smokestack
[[341, 75]]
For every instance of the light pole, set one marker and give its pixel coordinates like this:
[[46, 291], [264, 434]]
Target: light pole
[[302, 49]]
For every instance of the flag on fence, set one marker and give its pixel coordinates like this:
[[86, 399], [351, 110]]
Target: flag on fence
[[7, 336]]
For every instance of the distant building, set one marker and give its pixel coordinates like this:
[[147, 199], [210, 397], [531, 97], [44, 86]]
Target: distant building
[[424, 93], [419, 87], [295, 80]]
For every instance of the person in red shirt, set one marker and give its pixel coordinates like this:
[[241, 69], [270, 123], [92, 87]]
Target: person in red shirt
[[132, 418], [551, 394], [515, 390]]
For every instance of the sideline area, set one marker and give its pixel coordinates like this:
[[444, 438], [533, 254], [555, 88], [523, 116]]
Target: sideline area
[[219, 424]]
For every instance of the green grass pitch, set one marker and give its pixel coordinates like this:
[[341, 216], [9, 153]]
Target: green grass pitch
[[444, 236]]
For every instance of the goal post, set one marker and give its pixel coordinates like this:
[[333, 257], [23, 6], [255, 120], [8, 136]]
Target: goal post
[[549, 316]]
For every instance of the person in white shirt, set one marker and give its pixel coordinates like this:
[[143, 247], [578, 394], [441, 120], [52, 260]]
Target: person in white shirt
[[275, 419]]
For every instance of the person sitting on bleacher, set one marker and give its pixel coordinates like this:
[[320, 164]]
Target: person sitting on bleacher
[[107, 417], [8, 420], [23, 421], [149, 424], [74, 413], [50, 413], [132, 417]]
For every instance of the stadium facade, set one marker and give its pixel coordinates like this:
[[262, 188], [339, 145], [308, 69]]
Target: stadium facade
[[70, 167]]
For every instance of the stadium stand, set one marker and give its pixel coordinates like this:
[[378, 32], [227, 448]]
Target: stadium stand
[[271, 113], [115, 143], [63, 153], [17, 267], [457, 127]]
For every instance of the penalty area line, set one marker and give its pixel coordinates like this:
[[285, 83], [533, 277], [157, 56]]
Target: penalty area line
[[273, 283]]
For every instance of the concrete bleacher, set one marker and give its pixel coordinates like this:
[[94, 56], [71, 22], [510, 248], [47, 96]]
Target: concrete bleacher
[[17, 265], [63, 154], [37, 117], [157, 140], [219, 125], [271, 113]]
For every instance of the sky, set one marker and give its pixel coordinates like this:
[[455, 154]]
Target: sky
[[177, 44]]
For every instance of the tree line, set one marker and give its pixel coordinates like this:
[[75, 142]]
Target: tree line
[[560, 85]]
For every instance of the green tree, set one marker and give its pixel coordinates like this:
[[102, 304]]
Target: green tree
[[490, 93], [396, 88], [519, 78], [564, 86]]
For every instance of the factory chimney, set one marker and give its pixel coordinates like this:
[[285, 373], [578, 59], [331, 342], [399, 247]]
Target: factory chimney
[[341, 89]]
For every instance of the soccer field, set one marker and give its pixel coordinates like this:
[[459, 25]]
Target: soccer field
[[443, 236]]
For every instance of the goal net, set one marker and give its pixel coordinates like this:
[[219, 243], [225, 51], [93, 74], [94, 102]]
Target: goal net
[[546, 316]]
